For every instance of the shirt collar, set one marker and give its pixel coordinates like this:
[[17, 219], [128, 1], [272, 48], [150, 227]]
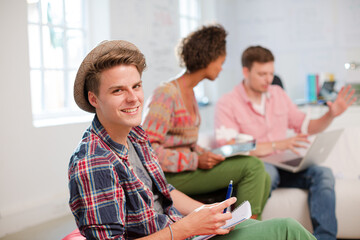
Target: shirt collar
[[243, 94], [137, 134], [267, 95]]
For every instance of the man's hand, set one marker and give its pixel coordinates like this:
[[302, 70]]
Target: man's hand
[[205, 220], [293, 143], [208, 160], [344, 99], [208, 219]]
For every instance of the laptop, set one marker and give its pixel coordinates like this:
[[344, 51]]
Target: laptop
[[319, 150]]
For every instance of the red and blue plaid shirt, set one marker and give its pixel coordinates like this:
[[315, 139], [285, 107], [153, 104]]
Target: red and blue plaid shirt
[[107, 199]]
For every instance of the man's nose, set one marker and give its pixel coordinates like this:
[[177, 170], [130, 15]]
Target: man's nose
[[131, 96]]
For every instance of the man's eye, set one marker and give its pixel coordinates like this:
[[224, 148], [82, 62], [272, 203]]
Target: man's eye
[[137, 85], [117, 90]]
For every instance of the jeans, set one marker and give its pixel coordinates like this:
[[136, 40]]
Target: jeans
[[320, 183]]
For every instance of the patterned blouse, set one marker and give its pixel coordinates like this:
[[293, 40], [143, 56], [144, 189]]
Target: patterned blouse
[[172, 131]]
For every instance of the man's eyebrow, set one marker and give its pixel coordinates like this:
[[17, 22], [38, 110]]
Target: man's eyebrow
[[123, 86], [139, 82]]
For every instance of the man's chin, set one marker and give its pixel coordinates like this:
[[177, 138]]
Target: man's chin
[[265, 89], [135, 123]]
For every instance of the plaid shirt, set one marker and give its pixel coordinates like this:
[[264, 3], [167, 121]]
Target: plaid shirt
[[107, 199]]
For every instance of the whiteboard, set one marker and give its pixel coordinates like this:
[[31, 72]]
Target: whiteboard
[[153, 26]]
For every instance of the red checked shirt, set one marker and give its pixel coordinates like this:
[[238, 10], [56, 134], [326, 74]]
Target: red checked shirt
[[107, 198]]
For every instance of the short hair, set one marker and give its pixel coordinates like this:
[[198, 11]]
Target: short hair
[[201, 47], [114, 57], [256, 54]]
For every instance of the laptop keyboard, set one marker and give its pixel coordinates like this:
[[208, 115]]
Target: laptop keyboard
[[294, 162]]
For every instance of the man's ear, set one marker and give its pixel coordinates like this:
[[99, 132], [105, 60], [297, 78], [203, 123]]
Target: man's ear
[[245, 71], [92, 99]]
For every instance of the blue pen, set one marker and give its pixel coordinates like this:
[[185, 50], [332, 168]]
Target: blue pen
[[229, 192]]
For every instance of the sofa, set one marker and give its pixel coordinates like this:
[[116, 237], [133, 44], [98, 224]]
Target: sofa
[[344, 160]]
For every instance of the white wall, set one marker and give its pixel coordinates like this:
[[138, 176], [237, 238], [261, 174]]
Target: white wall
[[153, 26], [33, 163]]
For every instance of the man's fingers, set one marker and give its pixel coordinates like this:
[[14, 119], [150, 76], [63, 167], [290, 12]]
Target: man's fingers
[[294, 151], [302, 140], [220, 224], [342, 91], [221, 231], [231, 228], [298, 141], [348, 97], [345, 91], [352, 101], [224, 204], [302, 137], [300, 145]]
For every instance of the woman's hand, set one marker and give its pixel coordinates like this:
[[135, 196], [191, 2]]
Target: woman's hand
[[208, 160]]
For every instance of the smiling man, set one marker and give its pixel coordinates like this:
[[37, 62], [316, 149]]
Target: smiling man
[[265, 111], [119, 100]]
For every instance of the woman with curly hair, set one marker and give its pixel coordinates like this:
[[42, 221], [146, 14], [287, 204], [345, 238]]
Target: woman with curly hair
[[172, 123]]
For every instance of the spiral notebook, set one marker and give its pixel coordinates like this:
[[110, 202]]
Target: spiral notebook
[[240, 214]]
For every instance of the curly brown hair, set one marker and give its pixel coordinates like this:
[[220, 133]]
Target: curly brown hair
[[256, 54], [201, 47]]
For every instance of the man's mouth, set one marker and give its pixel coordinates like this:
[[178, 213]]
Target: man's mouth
[[130, 110]]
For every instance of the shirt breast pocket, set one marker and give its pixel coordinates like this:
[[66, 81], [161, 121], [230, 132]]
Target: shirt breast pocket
[[251, 126], [280, 118]]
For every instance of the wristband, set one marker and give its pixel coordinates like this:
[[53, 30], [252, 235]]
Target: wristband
[[273, 145], [172, 237]]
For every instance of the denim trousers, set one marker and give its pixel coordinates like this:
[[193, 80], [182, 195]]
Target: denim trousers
[[320, 183]]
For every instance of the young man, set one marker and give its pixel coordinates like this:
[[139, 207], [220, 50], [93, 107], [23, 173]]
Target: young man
[[117, 188], [257, 108]]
